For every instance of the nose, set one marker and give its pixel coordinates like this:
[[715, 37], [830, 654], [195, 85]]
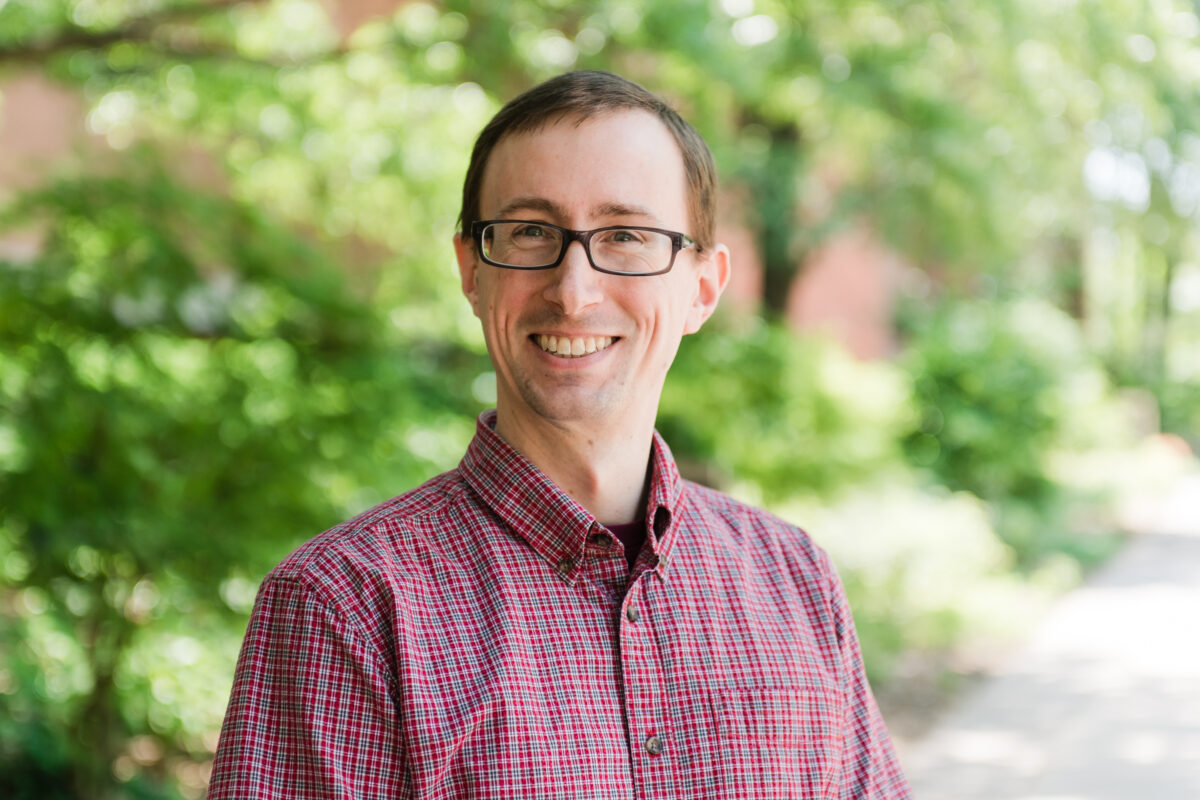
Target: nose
[[573, 284]]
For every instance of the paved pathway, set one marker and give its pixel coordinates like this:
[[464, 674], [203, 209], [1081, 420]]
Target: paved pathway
[[1103, 702]]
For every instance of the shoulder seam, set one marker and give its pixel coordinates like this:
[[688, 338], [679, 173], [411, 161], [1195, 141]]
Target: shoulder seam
[[355, 526], [329, 605]]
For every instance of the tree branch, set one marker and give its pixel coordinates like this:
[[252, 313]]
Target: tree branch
[[139, 29]]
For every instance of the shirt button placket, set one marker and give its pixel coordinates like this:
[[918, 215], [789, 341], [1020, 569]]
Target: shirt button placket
[[644, 683]]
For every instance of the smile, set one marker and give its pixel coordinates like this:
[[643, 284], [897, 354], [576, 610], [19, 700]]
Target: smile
[[573, 347]]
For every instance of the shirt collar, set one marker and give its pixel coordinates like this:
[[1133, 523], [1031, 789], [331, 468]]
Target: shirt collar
[[553, 523]]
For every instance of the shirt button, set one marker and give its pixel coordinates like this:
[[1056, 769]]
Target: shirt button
[[632, 614], [565, 566], [654, 745], [601, 541]]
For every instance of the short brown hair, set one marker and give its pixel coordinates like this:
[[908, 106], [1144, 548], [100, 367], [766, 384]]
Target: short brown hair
[[586, 94]]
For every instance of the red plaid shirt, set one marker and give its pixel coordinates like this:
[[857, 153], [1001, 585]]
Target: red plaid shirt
[[483, 637]]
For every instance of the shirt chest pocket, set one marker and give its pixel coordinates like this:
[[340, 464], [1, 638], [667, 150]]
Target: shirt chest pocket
[[781, 742]]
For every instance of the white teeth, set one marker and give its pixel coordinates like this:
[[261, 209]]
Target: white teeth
[[566, 347]]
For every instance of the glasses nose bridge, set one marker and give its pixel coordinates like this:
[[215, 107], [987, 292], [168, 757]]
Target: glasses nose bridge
[[585, 241]]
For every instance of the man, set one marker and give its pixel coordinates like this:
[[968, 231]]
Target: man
[[562, 615]]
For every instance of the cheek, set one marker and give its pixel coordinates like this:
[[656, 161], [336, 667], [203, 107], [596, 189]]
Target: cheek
[[673, 312], [498, 306], [487, 300]]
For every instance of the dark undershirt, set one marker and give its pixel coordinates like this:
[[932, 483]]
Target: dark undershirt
[[632, 535]]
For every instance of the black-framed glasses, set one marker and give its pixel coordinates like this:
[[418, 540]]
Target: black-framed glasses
[[616, 249]]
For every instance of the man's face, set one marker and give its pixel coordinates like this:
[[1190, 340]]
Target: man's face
[[622, 168]]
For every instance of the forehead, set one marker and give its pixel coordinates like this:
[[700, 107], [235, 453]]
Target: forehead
[[622, 159]]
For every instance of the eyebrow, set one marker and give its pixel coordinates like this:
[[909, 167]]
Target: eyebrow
[[529, 204], [549, 207], [622, 210]]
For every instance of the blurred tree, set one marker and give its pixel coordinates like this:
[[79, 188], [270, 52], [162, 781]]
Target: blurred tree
[[241, 324], [188, 392], [974, 139]]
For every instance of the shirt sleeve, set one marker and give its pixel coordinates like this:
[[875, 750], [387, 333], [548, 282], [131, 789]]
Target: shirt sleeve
[[871, 770], [313, 711]]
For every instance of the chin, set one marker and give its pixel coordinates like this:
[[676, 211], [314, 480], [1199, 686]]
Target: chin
[[580, 405]]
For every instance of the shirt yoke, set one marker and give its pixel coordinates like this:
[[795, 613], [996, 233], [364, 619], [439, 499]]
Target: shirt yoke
[[758, 533], [362, 568]]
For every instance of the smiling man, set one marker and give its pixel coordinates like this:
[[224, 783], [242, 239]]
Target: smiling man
[[563, 615]]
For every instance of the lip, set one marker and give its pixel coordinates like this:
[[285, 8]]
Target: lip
[[572, 334]]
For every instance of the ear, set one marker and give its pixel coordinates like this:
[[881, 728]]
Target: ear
[[464, 251], [712, 274]]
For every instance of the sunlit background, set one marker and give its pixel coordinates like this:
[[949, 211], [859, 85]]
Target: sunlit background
[[961, 346]]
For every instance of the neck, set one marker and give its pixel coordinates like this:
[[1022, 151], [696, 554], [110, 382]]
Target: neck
[[603, 468]]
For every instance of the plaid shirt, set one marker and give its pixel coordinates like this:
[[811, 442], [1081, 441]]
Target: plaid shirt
[[482, 636]]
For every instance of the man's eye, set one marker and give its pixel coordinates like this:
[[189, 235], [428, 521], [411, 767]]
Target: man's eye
[[623, 237], [530, 232]]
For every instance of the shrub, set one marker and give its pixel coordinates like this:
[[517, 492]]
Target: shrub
[[1000, 386], [791, 416]]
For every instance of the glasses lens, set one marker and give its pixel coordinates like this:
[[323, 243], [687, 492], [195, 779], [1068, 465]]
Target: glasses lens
[[521, 244], [529, 245], [632, 250]]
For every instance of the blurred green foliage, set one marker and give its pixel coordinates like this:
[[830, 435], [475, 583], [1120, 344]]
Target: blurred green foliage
[[240, 323], [1000, 386], [818, 420], [188, 391]]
